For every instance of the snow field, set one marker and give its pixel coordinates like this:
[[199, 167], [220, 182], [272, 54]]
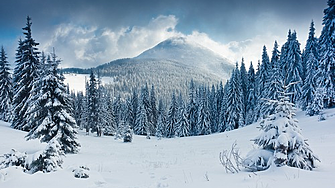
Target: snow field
[[179, 162]]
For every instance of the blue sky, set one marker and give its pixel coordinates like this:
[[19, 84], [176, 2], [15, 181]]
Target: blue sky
[[87, 33]]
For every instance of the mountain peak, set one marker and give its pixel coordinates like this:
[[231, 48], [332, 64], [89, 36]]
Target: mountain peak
[[189, 53]]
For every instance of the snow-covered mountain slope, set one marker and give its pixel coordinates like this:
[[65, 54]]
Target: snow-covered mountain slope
[[166, 75], [180, 162], [189, 53], [169, 66]]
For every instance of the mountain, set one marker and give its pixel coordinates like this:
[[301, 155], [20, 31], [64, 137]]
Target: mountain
[[169, 66], [189, 53]]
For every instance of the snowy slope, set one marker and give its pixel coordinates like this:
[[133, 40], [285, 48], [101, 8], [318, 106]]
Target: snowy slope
[[179, 162], [189, 53], [76, 82]]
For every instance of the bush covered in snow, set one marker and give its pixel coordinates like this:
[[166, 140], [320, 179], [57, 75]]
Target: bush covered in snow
[[50, 160], [81, 172], [128, 135], [281, 141], [13, 158]]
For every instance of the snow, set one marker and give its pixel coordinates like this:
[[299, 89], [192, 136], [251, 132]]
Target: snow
[[177, 162], [76, 82]]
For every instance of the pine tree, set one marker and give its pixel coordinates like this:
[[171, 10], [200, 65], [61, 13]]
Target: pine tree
[[212, 102], [171, 120], [234, 104], [142, 123], [223, 110], [310, 60], [203, 122], [274, 84], [316, 105], [161, 121], [262, 82], [26, 72], [251, 96], [51, 115], [6, 94], [292, 66], [282, 135], [327, 59], [244, 85], [92, 103], [133, 109], [79, 109], [192, 109], [183, 125], [50, 160], [153, 110]]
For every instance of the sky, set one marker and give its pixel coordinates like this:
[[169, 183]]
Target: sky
[[87, 33]]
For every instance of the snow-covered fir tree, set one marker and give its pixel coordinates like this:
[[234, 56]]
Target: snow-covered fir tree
[[234, 109], [92, 103], [281, 137], [316, 105], [262, 81], [171, 119], [223, 109], [6, 93], [327, 58], [212, 102], [133, 109], [153, 110], [244, 85], [51, 113], [310, 61], [161, 123], [26, 72], [192, 109], [292, 65], [50, 160], [79, 109], [203, 122], [251, 96], [142, 122], [183, 124], [274, 84]]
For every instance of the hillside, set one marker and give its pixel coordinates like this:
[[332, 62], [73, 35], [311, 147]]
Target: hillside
[[169, 65], [179, 162]]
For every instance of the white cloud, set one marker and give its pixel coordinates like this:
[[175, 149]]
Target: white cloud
[[81, 46], [250, 49]]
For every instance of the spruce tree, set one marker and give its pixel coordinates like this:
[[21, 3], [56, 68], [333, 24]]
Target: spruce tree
[[171, 120], [161, 123], [244, 85], [327, 58], [26, 72], [310, 60], [292, 66], [234, 115], [203, 122], [6, 94], [275, 82], [92, 103], [251, 96], [51, 114], [133, 109], [183, 125], [192, 108], [153, 110], [282, 137]]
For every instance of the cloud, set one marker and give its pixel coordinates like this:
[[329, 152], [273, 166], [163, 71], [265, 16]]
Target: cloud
[[249, 49], [89, 46]]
